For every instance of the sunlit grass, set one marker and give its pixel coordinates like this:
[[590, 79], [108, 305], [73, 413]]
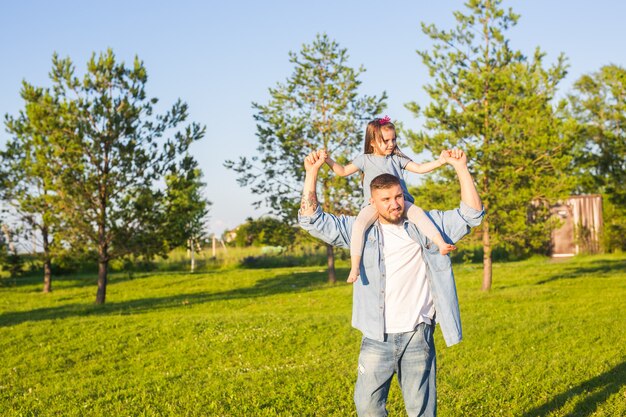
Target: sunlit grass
[[548, 340]]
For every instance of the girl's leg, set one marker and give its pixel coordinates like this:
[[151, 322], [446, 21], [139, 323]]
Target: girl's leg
[[367, 216], [417, 216]]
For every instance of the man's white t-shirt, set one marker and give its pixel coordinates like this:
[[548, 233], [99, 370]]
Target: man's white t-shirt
[[408, 300]]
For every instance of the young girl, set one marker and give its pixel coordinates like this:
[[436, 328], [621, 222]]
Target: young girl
[[381, 156]]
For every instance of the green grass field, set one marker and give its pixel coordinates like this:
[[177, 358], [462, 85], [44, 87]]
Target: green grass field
[[548, 340]]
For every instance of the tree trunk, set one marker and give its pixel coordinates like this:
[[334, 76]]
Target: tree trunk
[[103, 244], [330, 251], [47, 262], [7, 237], [103, 267], [330, 254], [47, 276], [193, 258], [487, 272]]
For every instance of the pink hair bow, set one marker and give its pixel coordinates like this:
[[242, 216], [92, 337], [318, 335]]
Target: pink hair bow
[[384, 120]]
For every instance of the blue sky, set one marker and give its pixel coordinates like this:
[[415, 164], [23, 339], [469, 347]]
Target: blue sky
[[219, 57]]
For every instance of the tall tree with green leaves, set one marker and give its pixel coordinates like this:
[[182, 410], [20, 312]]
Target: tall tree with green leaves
[[318, 106], [598, 105], [110, 165], [497, 104], [265, 231], [10, 259], [3, 247], [186, 207], [28, 170]]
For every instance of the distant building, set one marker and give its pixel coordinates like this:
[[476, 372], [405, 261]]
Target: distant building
[[581, 228]]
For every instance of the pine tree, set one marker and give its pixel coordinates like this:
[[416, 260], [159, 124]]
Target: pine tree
[[109, 161], [318, 107], [28, 169], [496, 103], [186, 208], [598, 105]]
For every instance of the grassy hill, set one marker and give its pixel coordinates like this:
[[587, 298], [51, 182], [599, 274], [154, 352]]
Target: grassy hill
[[548, 340]]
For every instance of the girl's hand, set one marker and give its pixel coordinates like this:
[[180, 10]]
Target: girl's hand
[[456, 158], [323, 153], [442, 157]]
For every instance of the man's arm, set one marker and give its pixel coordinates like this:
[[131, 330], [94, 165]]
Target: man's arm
[[312, 164], [327, 227], [455, 224], [469, 194]]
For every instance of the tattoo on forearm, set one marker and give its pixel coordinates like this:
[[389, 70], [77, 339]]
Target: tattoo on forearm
[[308, 202]]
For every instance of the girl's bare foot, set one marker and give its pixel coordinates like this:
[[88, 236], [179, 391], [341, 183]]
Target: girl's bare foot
[[446, 248]]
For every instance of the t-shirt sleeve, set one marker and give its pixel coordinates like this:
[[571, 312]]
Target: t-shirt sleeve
[[359, 162], [403, 160]]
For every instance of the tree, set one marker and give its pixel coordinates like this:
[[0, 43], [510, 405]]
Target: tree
[[265, 231], [3, 248], [598, 105], [10, 259], [496, 104], [27, 170], [110, 164], [186, 207], [317, 107]]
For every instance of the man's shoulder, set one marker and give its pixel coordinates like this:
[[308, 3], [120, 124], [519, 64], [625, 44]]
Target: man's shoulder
[[332, 229], [456, 222], [320, 215]]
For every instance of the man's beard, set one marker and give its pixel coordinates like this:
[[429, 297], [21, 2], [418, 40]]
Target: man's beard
[[393, 220]]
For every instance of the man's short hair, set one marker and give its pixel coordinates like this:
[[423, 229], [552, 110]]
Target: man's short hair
[[384, 181]]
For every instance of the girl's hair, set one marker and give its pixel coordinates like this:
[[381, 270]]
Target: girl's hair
[[374, 133]]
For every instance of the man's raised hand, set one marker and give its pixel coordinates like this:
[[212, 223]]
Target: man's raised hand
[[314, 160], [455, 157]]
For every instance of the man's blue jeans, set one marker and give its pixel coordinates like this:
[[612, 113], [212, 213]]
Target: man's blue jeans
[[412, 356]]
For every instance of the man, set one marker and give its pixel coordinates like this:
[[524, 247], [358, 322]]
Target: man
[[405, 286]]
